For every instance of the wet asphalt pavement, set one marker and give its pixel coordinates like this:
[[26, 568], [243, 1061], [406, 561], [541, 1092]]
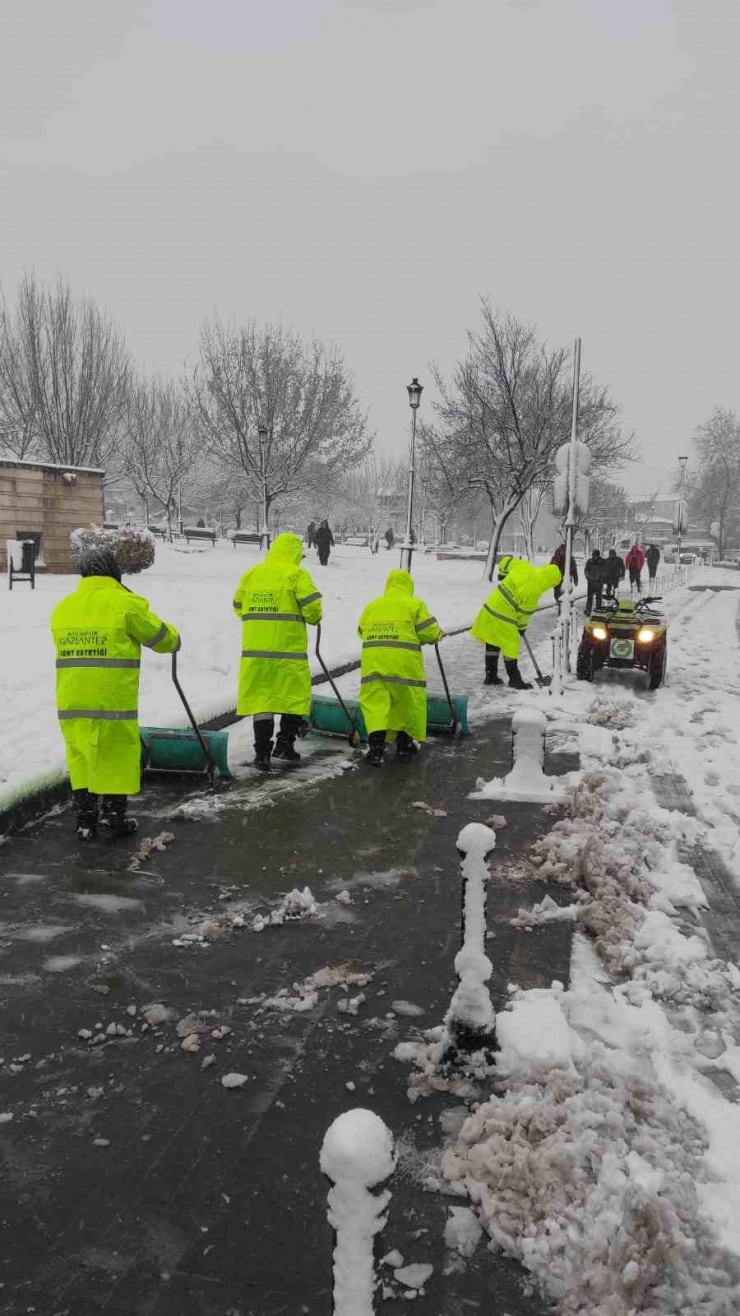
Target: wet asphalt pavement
[[133, 1181]]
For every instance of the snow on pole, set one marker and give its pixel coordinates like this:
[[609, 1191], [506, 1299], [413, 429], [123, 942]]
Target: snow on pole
[[470, 1020], [357, 1154]]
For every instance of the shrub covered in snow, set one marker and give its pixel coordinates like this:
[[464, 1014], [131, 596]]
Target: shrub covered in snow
[[133, 545]]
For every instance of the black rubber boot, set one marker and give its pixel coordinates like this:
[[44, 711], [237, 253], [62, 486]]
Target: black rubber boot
[[114, 816], [263, 729], [492, 657], [86, 805], [375, 749], [405, 746], [516, 680], [285, 743]]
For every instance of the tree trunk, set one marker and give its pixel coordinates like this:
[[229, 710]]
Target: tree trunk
[[238, 517], [496, 531]]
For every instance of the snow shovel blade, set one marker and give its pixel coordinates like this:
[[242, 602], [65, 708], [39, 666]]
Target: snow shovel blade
[[180, 751], [443, 721], [541, 680], [328, 718]]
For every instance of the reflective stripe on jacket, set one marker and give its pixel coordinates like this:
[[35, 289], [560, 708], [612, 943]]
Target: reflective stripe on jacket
[[393, 629], [98, 633], [275, 600], [507, 611]]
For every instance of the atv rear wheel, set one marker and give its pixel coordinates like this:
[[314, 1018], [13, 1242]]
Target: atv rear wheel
[[656, 669], [585, 660]]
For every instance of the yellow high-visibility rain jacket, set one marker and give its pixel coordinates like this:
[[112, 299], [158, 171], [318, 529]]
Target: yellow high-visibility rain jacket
[[98, 632], [392, 628], [274, 600], [507, 612]]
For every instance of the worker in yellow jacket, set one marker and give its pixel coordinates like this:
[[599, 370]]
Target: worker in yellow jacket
[[393, 695], [506, 613], [275, 600], [98, 632]]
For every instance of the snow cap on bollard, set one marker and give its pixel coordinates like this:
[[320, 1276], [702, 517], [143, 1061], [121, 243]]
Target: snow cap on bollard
[[358, 1146], [477, 840]]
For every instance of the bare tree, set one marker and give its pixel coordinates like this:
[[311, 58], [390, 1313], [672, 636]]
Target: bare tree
[[18, 429], [266, 402], [506, 411], [64, 377], [714, 494], [162, 444]]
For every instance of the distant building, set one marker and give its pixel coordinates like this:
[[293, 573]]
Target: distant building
[[45, 503]]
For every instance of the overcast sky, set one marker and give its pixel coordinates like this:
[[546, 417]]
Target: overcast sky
[[364, 170]]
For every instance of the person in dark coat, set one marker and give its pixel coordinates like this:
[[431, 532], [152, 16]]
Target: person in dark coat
[[594, 580], [390, 538], [558, 560], [324, 542], [311, 535], [614, 571], [652, 557]]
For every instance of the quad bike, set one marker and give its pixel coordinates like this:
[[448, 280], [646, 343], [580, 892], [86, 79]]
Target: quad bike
[[627, 635]]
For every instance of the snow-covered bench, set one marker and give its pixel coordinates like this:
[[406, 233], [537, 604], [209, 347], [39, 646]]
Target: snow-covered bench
[[199, 532], [246, 537]]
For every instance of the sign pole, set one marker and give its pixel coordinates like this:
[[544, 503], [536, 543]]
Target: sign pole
[[571, 517]]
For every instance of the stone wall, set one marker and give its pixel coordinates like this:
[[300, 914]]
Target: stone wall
[[48, 501]]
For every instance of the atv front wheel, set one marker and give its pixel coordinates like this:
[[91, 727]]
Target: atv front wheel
[[585, 661], [656, 670]]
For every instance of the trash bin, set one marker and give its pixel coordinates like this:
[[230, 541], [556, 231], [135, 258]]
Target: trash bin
[[29, 557]]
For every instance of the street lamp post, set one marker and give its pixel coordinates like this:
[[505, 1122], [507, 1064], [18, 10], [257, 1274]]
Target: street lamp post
[[415, 390], [264, 533], [682, 463]]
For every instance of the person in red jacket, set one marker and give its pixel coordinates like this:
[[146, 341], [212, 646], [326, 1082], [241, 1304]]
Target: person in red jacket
[[634, 562]]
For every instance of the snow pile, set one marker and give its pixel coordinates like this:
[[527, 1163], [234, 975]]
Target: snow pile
[[589, 1171], [357, 1154], [526, 781], [293, 907], [547, 911]]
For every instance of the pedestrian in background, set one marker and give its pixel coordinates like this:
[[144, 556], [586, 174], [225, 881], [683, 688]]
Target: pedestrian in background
[[390, 538], [614, 573], [311, 535], [634, 562], [558, 560], [324, 542], [594, 570], [652, 557]]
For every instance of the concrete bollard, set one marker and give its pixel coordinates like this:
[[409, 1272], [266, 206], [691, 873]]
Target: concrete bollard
[[357, 1154], [470, 1020]]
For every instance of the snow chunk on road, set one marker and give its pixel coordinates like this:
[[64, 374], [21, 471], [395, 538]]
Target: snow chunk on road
[[415, 1276], [463, 1231], [296, 905], [234, 1080]]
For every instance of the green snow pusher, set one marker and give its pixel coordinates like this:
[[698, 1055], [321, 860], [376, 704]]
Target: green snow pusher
[[184, 752]]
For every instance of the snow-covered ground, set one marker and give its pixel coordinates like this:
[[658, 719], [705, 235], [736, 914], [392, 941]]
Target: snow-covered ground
[[607, 1157], [192, 587]]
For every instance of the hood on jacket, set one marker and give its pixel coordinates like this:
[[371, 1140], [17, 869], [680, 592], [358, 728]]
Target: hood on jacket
[[287, 548], [401, 580], [504, 566]]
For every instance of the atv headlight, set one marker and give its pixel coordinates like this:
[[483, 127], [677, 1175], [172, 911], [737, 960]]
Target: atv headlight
[[645, 635], [599, 632]]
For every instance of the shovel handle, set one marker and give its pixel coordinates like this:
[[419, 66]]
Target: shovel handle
[[354, 735], [201, 738], [443, 674]]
